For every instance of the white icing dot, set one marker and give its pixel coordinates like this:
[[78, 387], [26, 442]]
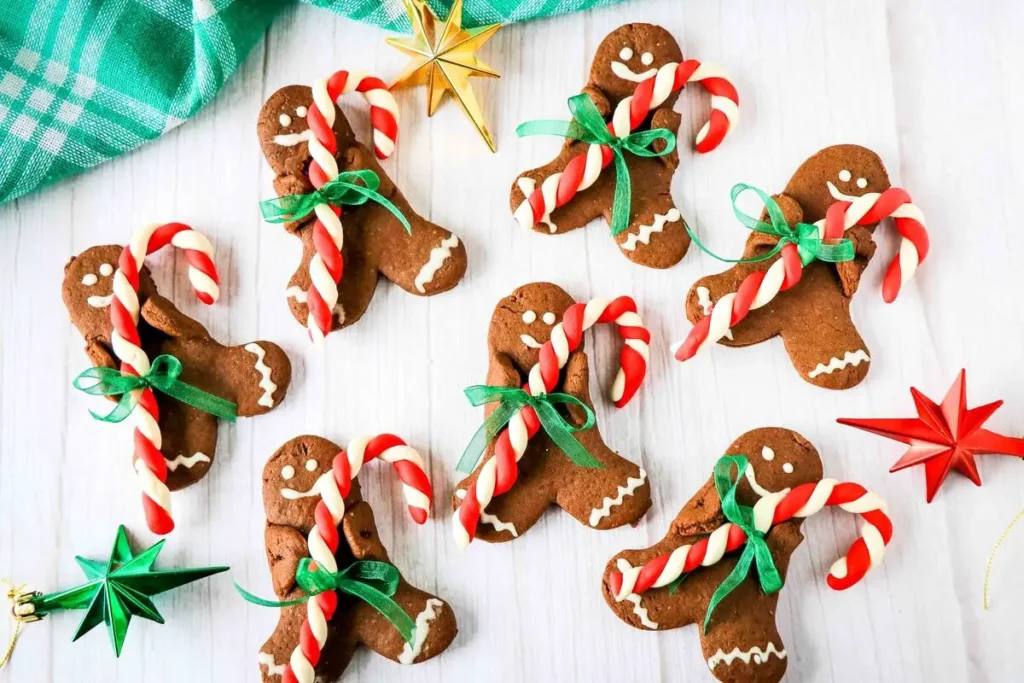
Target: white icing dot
[[285, 120], [287, 472], [767, 454], [787, 467], [311, 465], [647, 58], [626, 53], [89, 280], [549, 318], [300, 111], [529, 317], [862, 183], [106, 270], [845, 175]]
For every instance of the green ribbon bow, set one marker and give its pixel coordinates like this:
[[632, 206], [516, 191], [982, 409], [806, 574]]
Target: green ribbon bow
[[350, 188], [371, 581], [805, 236], [163, 376], [755, 551], [589, 126], [512, 400]]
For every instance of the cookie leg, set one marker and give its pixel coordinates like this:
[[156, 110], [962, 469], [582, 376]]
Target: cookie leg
[[189, 442], [655, 609], [656, 236], [435, 627], [742, 642], [429, 261], [273, 656], [759, 325], [535, 191]]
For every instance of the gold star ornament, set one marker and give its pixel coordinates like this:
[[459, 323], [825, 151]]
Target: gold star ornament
[[444, 59]]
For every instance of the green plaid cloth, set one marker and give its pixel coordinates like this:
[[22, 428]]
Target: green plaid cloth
[[84, 81]]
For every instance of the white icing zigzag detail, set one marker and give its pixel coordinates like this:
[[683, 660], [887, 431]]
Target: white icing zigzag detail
[[423, 619], [632, 484], [641, 612], [188, 461], [704, 301], [643, 235], [438, 255], [758, 655], [273, 668], [266, 384], [492, 519], [854, 358]]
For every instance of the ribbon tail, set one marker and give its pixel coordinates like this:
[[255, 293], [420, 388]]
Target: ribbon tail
[[256, 600], [386, 203], [622, 203], [197, 398], [118, 413], [771, 580], [484, 436], [383, 603], [562, 129], [735, 578], [554, 426]]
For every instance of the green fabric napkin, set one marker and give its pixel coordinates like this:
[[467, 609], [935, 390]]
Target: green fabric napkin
[[84, 81]]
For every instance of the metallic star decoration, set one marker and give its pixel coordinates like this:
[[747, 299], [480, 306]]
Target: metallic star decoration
[[118, 589], [944, 437], [444, 59]]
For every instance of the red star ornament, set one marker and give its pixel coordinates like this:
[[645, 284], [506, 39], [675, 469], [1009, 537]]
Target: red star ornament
[[944, 437]]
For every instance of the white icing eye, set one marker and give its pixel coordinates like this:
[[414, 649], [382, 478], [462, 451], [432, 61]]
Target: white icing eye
[[768, 454], [787, 467], [106, 270], [285, 120], [300, 112], [311, 465], [647, 58], [287, 472], [89, 280], [845, 175], [549, 318], [626, 54], [529, 317], [862, 183]]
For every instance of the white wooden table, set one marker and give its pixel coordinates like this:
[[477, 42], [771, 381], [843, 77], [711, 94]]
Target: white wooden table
[[932, 86]]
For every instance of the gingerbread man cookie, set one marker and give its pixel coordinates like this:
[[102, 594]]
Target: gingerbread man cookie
[[844, 191], [635, 80], [315, 510], [345, 248], [254, 376], [536, 337], [775, 477]]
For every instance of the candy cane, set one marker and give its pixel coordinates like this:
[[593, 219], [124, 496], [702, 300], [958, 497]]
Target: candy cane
[[776, 508], [324, 537], [327, 264], [127, 346], [761, 287], [584, 169], [499, 473]]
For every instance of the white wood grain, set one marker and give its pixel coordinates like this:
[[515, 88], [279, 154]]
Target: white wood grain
[[932, 86]]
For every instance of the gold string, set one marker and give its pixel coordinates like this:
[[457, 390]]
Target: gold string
[[992, 555], [17, 596]]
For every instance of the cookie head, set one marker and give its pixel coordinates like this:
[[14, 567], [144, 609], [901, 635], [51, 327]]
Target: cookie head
[[522, 322], [632, 54], [837, 173], [89, 289], [777, 459], [284, 135], [293, 480]]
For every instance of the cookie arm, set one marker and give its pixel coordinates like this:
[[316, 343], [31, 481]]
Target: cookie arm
[[599, 99], [285, 547], [162, 315], [850, 272], [361, 533], [667, 118], [577, 383]]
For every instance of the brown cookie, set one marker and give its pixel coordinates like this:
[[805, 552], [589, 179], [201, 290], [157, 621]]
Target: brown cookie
[[429, 261], [813, 318], [742, 643], [605, 498], [290, 498], [254, 376], [656, 236]]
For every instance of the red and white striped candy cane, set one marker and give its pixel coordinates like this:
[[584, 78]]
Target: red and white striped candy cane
[[499, 473], [584, 169], [327, 265], [761, 287], [324, 538], [802, 501], [124, 339]]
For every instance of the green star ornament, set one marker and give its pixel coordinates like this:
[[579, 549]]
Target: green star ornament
[[117, 589]]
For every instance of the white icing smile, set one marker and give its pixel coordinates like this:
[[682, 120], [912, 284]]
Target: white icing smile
[[839, 195], [632, 484], [292, 139], [752, 479], [292, 494], [423, 619], [754, 654], [627, 74], [853, 358], [266, 384], [100, 301], [530, 342], [437, 258]]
